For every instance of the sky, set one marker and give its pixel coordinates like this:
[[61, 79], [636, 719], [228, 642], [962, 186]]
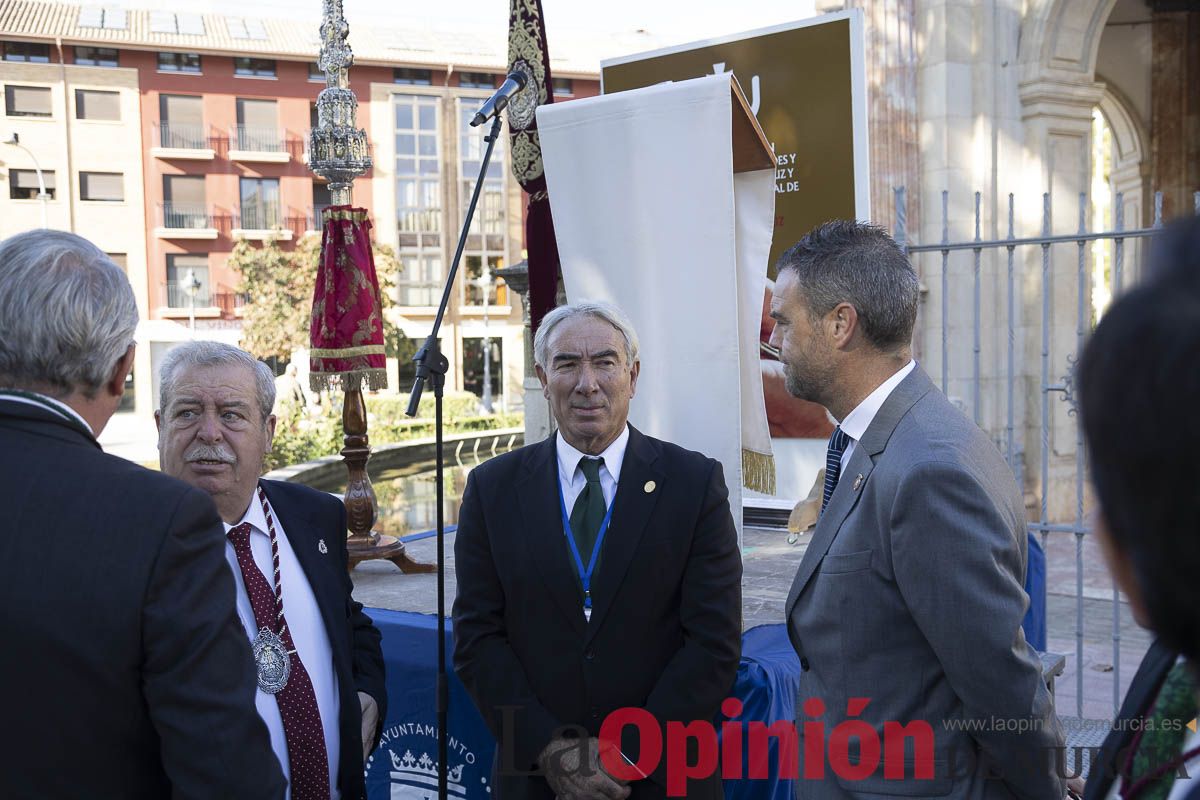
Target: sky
[[669, 21]]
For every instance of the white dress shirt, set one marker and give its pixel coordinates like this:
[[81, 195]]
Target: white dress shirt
[[307, 626], [857, 421], [571, 478], [54, 405]]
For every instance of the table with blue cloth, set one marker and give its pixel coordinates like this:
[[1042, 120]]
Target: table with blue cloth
[[404, 765]]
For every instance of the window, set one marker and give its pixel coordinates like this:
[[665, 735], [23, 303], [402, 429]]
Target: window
[[563, 87], [258, 126], [415, 77], [419, 199], [321, 200], [179, 62], [472, 365], [171, 22], [184, 202], [314, 115], [108, 187], [23, 184], [418, 183], [181, 122], [245, 28], [96, 56], [27, 101], [497, 295], [95, 104], [260, 204], [181, 291], [421, 276], [109, 18], [254, 67], [477, 80], [489, 215], [27, 52]]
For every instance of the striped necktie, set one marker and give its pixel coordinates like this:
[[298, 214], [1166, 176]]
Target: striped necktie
[[838, 441]]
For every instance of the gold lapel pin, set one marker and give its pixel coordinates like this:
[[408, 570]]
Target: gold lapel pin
[[649, 487], [321, 546], [858, 481]]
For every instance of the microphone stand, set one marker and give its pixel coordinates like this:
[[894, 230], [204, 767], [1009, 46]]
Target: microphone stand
[[431, 367]]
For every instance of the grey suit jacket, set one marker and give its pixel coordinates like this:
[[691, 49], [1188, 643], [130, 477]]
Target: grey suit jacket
[[910, 595]]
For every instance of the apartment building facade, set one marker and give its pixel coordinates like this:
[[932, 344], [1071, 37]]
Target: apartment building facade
[[168, 137]]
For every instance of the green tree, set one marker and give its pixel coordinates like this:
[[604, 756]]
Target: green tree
[[279, 283]]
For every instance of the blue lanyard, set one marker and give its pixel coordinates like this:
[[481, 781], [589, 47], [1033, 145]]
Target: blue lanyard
[[585, 575]]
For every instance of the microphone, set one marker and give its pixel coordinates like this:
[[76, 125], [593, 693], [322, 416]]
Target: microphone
[[515, 82]]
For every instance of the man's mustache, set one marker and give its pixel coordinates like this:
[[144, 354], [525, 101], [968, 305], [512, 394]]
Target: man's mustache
[[206, 452]]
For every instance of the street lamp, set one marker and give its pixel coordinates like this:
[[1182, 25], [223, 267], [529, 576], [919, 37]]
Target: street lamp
[[484, 282], [15, 141], [191, 285]]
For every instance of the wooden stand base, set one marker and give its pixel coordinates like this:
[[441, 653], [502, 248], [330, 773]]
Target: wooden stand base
[[384, 548]]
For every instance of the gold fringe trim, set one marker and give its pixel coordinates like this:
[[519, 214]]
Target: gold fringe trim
[[347, 352], [375, 379], [758, 471]]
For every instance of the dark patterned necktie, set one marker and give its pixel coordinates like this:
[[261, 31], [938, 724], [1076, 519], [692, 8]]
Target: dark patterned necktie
[[589, 510], [1165, 732], [838, 441], [307, 757]]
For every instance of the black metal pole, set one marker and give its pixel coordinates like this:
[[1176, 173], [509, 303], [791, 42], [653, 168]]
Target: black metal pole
[[432, 366]]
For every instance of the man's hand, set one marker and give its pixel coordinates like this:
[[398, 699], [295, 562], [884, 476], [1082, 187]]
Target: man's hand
[[573, 770], [370, 722], [1075, 787]]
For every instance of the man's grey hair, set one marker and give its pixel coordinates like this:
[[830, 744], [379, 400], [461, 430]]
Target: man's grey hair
[[605, 311], [67, 314], [845, 261], [215, 354]]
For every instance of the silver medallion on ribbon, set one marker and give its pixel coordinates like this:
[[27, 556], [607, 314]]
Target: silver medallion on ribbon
[[274, 663]]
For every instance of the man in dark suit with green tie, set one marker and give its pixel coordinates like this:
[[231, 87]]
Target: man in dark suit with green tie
[[597, 570]]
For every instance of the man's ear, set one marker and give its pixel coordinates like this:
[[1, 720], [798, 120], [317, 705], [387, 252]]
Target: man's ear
[[115, 385], [541, 373], [270, 433], [843, 322]]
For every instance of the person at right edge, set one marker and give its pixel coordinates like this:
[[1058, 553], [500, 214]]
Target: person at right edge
[[907, 605], [1139, 381]]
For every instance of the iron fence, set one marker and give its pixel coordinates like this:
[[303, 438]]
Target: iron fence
[[1009, 434]]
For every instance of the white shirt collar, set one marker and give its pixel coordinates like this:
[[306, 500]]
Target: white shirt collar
[[613, 455], [254, 515], [56, 405], [857, 421]]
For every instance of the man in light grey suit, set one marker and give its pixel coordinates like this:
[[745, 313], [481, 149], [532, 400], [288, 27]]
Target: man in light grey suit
[[910, 594]]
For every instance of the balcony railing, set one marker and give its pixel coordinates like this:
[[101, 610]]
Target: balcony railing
[[258, 138], [226, 299], [260, 218], [183, 136], [177, 296], [186, 215]]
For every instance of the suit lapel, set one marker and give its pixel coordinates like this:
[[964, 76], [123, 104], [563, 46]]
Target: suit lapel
[[849, 488], [299, 524], [632, 507], [542, 532], [841, 503]]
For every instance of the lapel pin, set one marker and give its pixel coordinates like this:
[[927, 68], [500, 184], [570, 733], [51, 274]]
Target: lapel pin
[[321, 546], [649, 487], [858, 481]]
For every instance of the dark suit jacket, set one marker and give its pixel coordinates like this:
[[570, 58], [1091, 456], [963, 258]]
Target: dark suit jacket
[[1143, 689], [665, 633], [124, 672], [308, 517]]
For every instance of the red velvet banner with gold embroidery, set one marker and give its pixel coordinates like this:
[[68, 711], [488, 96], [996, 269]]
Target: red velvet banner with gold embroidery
[[346, 336]]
